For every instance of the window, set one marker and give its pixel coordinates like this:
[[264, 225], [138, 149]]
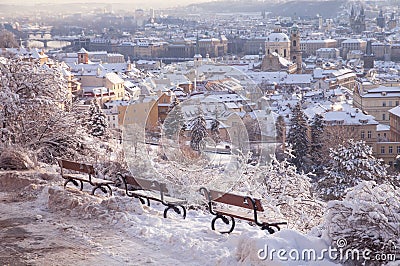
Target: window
[[294, 42], [362, 134], [369, 134], [390, 103], [398, 149], [284, 52], [390, 149], [383, 116], [397, 103], [383, 150]]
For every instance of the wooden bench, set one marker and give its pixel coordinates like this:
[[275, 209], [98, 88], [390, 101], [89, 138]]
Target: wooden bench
[[144, 189], [250, 209], [83, 173]]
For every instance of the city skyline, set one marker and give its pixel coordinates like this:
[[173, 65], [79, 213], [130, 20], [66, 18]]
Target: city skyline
[[144, 4]]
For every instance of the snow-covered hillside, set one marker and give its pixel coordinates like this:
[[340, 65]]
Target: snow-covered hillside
[[43, 224]]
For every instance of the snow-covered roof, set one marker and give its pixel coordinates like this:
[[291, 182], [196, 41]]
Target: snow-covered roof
[[395, 111], [351, 41], [382, 92], [114, 78], [278, 37], [349, 118]]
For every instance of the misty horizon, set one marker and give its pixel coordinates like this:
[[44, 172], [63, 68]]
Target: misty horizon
[[143, 4]]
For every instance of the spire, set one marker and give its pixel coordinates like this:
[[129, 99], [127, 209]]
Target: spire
[[352, 11], [362, 11]]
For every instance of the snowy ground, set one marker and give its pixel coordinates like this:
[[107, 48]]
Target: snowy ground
[[43, 224]]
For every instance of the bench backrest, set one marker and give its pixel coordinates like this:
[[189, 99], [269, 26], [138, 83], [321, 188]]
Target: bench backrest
[[79, 167], [236, 200], [146, 184]]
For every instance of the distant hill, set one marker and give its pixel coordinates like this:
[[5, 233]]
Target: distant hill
[[307, 8]]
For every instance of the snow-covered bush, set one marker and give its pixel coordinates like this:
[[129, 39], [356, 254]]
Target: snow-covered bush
[[367, 218], [13, 158], [33, 111], [286, 191], [350, 163]]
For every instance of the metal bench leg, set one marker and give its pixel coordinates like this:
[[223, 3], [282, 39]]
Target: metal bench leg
[[176, 209], [269, 229], [103, 189], [141, 200], [225, 220], [75, 182]]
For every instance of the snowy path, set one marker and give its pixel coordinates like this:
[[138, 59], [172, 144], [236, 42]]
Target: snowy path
[[47, 225], [54, 240]]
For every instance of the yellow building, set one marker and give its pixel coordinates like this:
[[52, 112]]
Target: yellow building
[[143, 112], [377, 101]]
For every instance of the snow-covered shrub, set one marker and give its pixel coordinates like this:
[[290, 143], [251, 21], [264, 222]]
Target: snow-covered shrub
[[288, 192], [13, 158], [34, 111], [367, 218], [350, 163]]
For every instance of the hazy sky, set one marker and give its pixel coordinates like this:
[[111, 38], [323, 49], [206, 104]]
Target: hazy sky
[[154, 3]]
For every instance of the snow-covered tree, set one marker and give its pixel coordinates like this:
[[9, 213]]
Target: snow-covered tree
[[368, 217], [7, 39], [286, 191], [317, 140], [198, 132], [298, 138], [32, 111], [349, 165], [97, 122], [175, 121]]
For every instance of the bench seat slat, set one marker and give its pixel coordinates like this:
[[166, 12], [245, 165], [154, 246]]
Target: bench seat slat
[[85, 178], [157, 197], [236, 200], [248, 216]]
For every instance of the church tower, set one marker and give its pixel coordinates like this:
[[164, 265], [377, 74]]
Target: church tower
[[368, 57], [380, 20], [83, 56], [295, 51]]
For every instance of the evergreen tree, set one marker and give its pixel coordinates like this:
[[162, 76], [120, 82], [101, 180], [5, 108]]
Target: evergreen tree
[[317, 130], [298, 138], [198, 132], [175, 121], [97, 120], [349, 165], [215, 134]]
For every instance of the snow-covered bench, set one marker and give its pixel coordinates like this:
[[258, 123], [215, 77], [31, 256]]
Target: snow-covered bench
[[151, 190], [83, 173], [244, 207]]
